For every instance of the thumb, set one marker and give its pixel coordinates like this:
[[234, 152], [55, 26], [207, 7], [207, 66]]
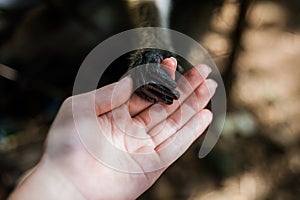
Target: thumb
[[104, 96], [171, 65]]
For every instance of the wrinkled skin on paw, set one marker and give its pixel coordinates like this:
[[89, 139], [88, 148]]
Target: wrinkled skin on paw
[[152, 81]]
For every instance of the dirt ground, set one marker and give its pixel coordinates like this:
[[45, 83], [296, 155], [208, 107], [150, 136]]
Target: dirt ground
[[255, 44]]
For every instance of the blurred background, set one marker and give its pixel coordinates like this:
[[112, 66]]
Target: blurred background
[[255, 44]]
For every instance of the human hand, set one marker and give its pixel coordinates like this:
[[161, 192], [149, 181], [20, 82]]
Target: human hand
[[109, 144]]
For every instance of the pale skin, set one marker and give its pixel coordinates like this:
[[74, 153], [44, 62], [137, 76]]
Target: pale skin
[[68, 170]]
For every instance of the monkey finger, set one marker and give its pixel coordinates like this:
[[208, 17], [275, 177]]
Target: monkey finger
[[147, 95], [163, 91], [160, 75], [154, 96]]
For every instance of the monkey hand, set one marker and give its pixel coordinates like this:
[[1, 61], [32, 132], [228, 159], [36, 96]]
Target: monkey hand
[[154, 76]]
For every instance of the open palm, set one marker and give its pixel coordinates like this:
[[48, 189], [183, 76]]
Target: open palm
[[110, 144]]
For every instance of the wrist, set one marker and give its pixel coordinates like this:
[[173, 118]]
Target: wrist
[[46, 182]]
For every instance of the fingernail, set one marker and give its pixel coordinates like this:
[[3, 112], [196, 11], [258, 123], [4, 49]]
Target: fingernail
[[207, 116], [125, 80], [204, 70], [211, 84], [170, 62], [174, 61]]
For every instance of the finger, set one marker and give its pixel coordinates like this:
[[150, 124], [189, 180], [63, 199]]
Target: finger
[[171, 65], [154, 96], [174, 146], [194, 104], [186, 86], [159, 91], [137, 104], [113, 95], [145, 94], [162, 90]]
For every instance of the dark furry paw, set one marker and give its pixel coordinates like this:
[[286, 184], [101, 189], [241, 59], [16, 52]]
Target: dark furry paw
[[151, 80]]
